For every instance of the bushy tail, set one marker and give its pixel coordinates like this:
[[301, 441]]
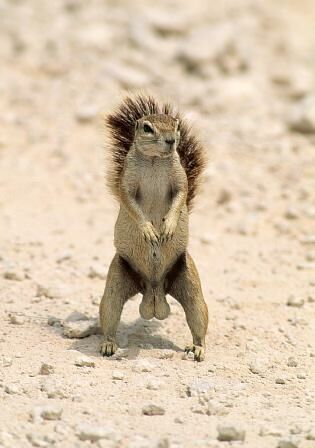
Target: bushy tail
[[121, 125]]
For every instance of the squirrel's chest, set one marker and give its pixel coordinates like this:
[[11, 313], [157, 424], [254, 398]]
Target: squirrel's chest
[[154, 192]]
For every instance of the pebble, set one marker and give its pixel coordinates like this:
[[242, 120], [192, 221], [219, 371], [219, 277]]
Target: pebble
[[6, 361], [230, 433], [15, 319], [306, 266], [301, 375], [12, 389], [53, 291], [97, 271], [48, 412], [53, 321], [308, 239], [294, 301], [270, 431], [280, 381], [46, 369], [38, 441], [291, 213], [76, 316], [292, 362], [54, 390], [142, 365], [84, 361], [86, 113], [117, 375], [95, 433], [287, 443], [152, 409], [311, 434], [155, 384], [81, 329], [14, 274], [200, 387], [302, 118]]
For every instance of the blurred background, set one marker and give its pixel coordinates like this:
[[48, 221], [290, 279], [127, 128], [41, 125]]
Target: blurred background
[[243, 72]]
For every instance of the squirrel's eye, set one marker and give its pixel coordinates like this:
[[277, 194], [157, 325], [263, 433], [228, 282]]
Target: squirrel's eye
[[147, 129]]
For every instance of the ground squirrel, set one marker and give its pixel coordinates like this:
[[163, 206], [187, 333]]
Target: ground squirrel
[[154, 171]]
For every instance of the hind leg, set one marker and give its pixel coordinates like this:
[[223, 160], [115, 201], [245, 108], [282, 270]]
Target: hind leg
[[120, 286], [186, 288]]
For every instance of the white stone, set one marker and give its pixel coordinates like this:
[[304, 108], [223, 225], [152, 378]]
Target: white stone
[[95, 433], [230, 433], [81, 328], [117, 375], [84, 361]]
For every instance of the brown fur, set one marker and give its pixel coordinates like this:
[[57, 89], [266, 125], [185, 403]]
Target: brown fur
[[154, 175], [121, 125]]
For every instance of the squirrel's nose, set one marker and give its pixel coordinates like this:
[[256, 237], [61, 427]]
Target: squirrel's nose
[[170, 141]]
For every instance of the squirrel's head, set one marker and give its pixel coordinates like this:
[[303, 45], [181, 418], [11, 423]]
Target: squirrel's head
[[157, 135]]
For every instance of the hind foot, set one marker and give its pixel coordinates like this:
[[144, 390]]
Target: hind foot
[[108, 348], [197, 350]]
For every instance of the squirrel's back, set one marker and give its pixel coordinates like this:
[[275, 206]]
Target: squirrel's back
[[121, 125]]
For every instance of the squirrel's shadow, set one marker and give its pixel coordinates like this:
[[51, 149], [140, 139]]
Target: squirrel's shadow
[[133, 337]]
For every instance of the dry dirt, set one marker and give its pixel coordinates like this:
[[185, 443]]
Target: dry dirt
[[243, 72]]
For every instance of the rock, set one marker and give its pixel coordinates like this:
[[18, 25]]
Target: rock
[[287, 443], [6, 361], [15, 319], [52, 292], [152, 409], [224, 197], [230, 433], [200, 387], [75, 316], [84, 361], [46, 369], [14, 274], [95, 433], [280, 381], [306, 266], [54, 390], [12, 389], [142, 365], [302, 118], [207, 239], [155, 384], [307, 239], [291, 213], [126, 75], [117, 375], [301, 375], [53, 321], [270, 431], [39, 441], [81, 329], [97, 271], [311, 434], [258, 366], [292, 362], [86, 113], [296, 302], [48, 412]]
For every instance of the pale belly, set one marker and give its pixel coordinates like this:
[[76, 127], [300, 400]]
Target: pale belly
[[151, 261]]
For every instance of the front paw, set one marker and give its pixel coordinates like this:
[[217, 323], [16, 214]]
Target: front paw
[[149, 233], [168, 229]]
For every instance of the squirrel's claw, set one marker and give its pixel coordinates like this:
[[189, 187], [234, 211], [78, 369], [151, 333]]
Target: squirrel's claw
[[168, 230], [149, 233]]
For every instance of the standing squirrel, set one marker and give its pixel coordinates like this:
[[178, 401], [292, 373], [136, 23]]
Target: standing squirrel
[[154, 170]]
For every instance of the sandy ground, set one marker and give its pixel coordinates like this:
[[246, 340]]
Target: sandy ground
[[244, 73]]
